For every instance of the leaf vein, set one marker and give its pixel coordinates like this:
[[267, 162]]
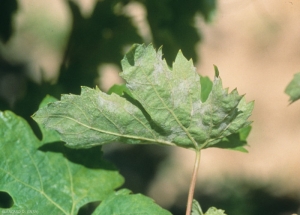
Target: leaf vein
[[113, 133], [171, 111]]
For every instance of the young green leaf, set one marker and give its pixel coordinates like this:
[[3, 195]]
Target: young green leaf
[[119, 90], [293, 89], [206, 86], [49, 136], [47, 182], [214, 211], [196, 208], [235, 141], [125, 203], [165, 106]]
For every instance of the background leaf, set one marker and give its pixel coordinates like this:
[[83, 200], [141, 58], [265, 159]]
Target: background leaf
[[196, 208], [206, 86], [119, 90], [172, 24], [125, 203], [214, 211], [47, 181], [293, 88], [48, 135], [235, 141], [7, 10]]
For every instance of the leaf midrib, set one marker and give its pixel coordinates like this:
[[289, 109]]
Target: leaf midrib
[[136, 118]]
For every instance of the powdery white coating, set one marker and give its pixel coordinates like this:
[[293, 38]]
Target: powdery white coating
[[180, 94], [175, 133]]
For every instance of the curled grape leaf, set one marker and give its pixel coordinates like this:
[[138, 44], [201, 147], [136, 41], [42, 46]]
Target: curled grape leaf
[[125, 203], [43, 181], [293, 88], [170, 106]]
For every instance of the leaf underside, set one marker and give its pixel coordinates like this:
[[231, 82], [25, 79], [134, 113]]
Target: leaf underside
[[48, 182], [162, 105]]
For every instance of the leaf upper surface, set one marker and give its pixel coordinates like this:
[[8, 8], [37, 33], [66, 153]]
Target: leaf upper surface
[[46, 181], [171, 106]]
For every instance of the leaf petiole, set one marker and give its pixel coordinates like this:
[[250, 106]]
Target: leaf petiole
[[193, 183]]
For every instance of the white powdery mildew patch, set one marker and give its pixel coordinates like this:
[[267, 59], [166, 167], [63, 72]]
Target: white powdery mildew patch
[[198, 112], [198, 109], [108, 103], [180, 94], [157, 73], [132, 85], [176, 132]]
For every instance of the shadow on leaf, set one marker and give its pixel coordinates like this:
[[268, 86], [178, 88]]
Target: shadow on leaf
[[90, 158]]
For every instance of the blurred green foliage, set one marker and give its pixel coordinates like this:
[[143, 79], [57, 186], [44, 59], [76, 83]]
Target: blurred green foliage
[[7, 10], [101, 38], [293, 88]]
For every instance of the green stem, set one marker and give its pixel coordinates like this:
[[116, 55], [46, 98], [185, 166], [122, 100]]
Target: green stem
[[193, 183]]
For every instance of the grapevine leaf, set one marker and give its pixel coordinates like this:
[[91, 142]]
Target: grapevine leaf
[[95, 118], [293, 88], [122, 202], [214, 211], [172, 99], [48, 99], [206, 86], [171, 106], [46, 181], [196, 208], [48, 135], [235, 141], [119, 90]]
